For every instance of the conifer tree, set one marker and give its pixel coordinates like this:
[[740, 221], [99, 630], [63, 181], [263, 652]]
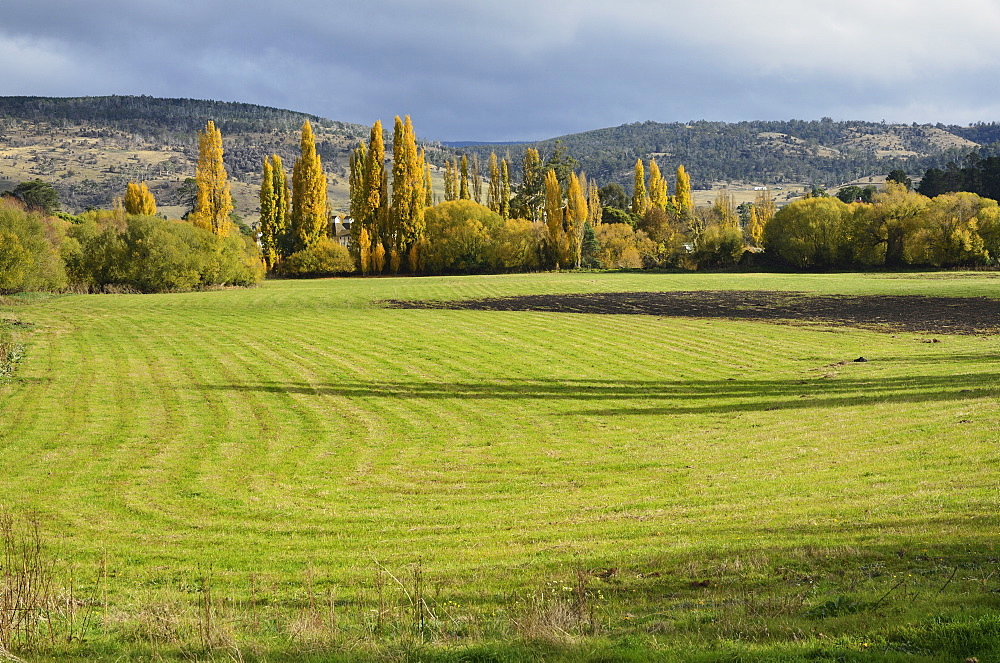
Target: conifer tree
[[640, 201], [576, 217], [310, 217], [554, 218], [139, 199], [463, 184], [408, 197], [504, 189], [682, 194], [658, 190], [214, 202]]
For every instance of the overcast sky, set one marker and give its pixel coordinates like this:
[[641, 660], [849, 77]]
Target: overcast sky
[[521, 69]]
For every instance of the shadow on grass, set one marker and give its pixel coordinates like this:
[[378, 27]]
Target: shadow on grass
[[657, 397], [913, 313]]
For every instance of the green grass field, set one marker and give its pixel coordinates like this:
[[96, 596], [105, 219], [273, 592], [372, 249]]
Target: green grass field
[[295, 471]]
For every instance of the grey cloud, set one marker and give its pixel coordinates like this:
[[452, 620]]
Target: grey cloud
[[524, 68]]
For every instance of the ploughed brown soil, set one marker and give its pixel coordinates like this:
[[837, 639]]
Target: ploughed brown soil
[[912, 313]]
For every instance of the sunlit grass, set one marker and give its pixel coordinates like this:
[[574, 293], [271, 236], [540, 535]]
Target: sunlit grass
[[716, 483]]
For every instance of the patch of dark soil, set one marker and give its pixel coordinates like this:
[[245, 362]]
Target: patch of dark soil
[[911, 313]]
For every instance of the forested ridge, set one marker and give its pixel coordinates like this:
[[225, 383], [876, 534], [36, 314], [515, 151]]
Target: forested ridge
[[820, 152], [90, 147]]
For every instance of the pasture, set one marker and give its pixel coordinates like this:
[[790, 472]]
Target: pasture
[[302, 470]]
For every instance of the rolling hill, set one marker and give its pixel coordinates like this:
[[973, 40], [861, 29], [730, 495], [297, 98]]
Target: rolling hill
[[89, 147]]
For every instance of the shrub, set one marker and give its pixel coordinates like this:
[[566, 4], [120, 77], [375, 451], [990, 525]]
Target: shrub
[[107, 251], [623, 248], [29, 250], [459, 237], [325, 258], [719, 246]]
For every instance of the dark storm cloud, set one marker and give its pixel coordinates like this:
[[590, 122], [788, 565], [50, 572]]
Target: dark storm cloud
[[523, 69]]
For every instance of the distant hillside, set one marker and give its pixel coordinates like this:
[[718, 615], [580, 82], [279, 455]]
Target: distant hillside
[[820, 152], [90, 147]]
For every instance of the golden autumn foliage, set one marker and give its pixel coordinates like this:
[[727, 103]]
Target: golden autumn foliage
[[215, 201], [309, 205], [139, 199]]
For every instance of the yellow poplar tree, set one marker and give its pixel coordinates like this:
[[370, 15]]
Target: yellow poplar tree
[[214, 202], [658, 192], [504, 189], [428, 182], [139, 199], [554, 217], [594, 204], [682, 194], [408, 196], [495, 187], [760, 214], [640, 201], [274, 211], [463, 183], [309, 209], [576, 217], [726, 210], [449, 181], [364, 251]]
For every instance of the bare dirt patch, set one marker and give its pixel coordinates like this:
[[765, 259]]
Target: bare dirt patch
[[911, 313]]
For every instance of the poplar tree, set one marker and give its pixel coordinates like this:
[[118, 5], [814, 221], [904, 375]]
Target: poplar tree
[[364, 251], [450, 181], [268, 245], [682, 194], [504, 189], [428, 182], [463, 184], [368, 190], [640, 201], [725, 210], [761, 212], [139, 199], [594, 209], [274, 212], [215, 201], [475, 180], [532, 185], [309, 208], [408, 197], [658, 191], [495, 186], [576, 217], [554, 216]]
